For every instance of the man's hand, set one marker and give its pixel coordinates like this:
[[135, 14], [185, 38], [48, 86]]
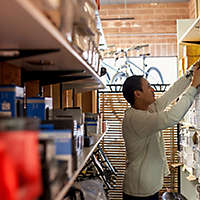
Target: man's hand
[[169, 190], [196, 75]]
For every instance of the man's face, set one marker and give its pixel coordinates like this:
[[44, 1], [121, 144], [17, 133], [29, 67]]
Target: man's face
[[147, 94]]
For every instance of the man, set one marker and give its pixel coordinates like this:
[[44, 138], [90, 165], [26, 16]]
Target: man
[[142, 126]]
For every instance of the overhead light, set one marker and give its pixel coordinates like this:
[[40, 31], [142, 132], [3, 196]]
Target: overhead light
[[136, 25], [154, 4], [9, 53]]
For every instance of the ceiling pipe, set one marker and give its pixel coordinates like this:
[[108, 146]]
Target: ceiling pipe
[[119, 18]]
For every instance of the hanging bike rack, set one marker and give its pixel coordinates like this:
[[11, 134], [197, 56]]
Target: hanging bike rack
[[117, 88]]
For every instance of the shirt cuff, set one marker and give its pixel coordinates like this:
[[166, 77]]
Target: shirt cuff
[[192, 91]]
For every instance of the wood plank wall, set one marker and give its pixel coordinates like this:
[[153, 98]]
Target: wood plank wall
[[112, 106]]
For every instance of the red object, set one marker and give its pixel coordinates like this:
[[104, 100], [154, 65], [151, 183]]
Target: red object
[[23, 149], [98, 4], [8, 182]]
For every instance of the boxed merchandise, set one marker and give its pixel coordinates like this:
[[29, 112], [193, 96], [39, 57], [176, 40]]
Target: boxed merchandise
[[67, 13], [74, 112], [78, 126], [64, 134], [63, 145], [91, 126], [86, 16], [85, 34], [92, 123], [39, 107], [81, 42], [35, 107], [61, 13], [11, 101]]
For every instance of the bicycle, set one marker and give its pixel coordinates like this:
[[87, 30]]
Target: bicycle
[[99, 166], [152, 74]]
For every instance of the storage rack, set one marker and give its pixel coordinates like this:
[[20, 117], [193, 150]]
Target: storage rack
[[30, 41], [188, 35], [26, 31]]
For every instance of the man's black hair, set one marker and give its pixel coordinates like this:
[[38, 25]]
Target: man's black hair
[[131, 84]]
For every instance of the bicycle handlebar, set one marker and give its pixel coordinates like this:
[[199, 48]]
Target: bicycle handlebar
[[137, 48], [145, 54]]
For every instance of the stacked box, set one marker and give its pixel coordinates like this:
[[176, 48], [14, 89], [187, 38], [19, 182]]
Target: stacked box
[[35, 107], [91, 126], [63, 133], [74, 112], [11, 101], [78, 125], [92, 123]]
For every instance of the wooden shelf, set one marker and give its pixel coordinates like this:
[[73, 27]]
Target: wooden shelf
[[23, 26], [189, 30], [83, 158]]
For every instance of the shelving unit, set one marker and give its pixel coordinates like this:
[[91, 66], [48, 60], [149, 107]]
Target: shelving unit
[[188, 35], [81, 162], [188, 30], [25, 28], [31, 42]]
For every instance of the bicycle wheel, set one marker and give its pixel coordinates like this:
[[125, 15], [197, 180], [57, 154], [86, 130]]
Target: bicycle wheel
[[119, 78], [107, 78], [154, 76]]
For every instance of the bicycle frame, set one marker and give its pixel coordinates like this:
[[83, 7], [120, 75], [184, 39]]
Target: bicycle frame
[[130, 62], [110, 66], [125, 70]]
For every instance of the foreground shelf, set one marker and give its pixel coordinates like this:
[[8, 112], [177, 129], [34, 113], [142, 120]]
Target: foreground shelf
[[83, 158], [32, 38]]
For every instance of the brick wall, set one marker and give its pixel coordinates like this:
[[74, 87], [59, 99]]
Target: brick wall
[[154, 24]]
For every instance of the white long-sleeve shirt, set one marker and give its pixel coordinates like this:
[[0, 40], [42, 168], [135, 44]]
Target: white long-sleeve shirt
[[147, 164]]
